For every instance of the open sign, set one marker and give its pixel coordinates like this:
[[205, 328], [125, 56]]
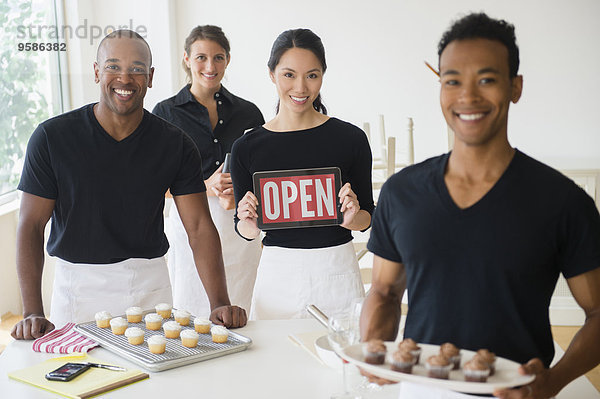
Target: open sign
[[298, 198]]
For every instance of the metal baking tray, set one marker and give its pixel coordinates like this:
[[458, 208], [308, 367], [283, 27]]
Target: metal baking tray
[[175, 354]]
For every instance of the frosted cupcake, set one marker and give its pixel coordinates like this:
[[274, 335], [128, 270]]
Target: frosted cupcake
[[374, 351], [135, 335], [118, 325], [402, 361], [164, 309], [438, 366], [475, 370], [153, 321], [489, 358], [157, 344], [410, 345], [134, 314], [172, 329], [103, 319], [182, 317], [219, 334], [202, 326], [452, 353], [189, 338]]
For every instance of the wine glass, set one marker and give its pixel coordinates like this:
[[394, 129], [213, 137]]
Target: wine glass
[[342, 331]]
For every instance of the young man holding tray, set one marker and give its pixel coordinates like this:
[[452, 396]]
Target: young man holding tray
[[480, 235], [101, 172]]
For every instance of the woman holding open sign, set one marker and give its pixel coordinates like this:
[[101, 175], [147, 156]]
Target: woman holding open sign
[[214, 118], [302, 265]]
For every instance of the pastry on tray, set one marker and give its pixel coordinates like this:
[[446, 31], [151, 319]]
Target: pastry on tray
[[134, 314], [118, 325], [103, 319]]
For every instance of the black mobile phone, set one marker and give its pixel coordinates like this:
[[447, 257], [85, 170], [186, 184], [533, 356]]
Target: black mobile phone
[[67, 372]]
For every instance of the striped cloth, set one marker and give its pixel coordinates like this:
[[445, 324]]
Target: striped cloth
[[63, 340]]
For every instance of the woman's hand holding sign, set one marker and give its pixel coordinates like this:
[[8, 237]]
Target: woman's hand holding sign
[[246, 212], [354, 218]]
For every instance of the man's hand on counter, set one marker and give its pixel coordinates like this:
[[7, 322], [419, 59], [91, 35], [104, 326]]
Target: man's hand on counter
[[229, 316], [32, 327]]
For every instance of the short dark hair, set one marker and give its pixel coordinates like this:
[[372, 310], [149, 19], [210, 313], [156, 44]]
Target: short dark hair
[[300, 38], [124, 33], [480, 26], [204, 32]]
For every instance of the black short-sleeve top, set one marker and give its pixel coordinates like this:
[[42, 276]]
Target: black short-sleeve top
[[109, 194], [334, 143], [236, 115]]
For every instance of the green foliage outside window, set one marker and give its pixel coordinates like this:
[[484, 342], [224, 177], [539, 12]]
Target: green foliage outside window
[[23, 84]]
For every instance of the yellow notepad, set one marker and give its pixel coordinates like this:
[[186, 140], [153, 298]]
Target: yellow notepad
[[92, 382]]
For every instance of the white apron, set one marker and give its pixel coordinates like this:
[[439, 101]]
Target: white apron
[[81, 290], [240, 258], [289, 279]]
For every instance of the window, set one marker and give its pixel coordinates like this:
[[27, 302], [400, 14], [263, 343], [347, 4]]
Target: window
[[30, 81]]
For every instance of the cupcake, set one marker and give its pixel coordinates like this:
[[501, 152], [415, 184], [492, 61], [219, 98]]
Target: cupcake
[[189, 338], [411, 346], [182, 317], [475, 370], [202, 325], [153, 321], [163, 309], [489, 358], [374, 351], [438, 366], [172, 329], [118, 325], [103, 319], [134, 314], [135, 335], [157, 344], [452, 353], [219, 334], [402, 361]]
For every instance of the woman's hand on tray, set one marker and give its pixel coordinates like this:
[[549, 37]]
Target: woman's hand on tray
[[229, 316], [540, 388]]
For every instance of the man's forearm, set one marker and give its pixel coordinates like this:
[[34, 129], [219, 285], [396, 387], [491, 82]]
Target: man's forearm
[[380, 316], [209, 262], [30, 264], [582, 355]]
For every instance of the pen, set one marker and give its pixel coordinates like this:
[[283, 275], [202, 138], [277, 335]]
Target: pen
[[432, 69], [106, 366]]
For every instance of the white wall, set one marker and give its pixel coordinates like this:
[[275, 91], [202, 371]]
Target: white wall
[[375, 53]]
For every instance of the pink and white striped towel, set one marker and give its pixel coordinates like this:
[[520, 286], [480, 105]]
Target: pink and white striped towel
[[64, 340]]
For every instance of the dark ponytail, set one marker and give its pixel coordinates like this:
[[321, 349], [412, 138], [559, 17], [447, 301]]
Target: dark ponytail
[[301, 38]]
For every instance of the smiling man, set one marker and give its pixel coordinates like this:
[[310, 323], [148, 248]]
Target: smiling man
[[479, 236], [101, 172]]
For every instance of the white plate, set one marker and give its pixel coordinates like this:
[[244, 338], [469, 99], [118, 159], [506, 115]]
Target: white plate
[[327, 354], [506, 374]]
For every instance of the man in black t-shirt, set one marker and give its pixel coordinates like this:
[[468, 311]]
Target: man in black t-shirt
[[101, 172], [479, 236]]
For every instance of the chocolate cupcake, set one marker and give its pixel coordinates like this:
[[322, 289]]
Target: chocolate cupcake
[[411, 346], [476, 370], [489, 358], [438, 366], [402, 361], [452, 353], [375, 352]]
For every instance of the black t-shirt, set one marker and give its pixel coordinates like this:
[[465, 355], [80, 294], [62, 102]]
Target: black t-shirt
[[334, 143], [109, 194], [482, 277], [236, 115]]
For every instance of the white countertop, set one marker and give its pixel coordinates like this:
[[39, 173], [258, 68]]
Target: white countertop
[[273, 367]]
